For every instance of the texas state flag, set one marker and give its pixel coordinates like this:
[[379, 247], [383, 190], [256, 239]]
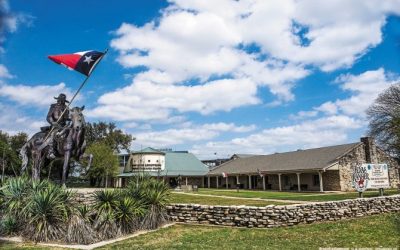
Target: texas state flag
[[83, 62]]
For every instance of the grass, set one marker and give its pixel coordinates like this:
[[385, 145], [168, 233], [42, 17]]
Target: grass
[[373, 231], [208, 200], [293, 195], [12, 245]]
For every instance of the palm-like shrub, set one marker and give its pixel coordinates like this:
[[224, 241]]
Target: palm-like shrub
[[80, 229], [155, 194], [46, 213], [106, 200], [8, 225], [15, 193], [106, 225], [128, 214]]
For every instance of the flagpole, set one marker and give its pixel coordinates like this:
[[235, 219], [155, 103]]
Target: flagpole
[[76, 93]]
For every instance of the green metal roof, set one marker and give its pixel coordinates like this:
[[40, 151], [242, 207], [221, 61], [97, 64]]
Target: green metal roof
[[178, 163], [149, 150]]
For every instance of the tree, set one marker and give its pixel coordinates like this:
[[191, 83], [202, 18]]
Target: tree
[[384, 119], [105, 162], [9, 150], [108, 134]]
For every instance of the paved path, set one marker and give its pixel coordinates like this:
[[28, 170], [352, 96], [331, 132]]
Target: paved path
[[245, 198]]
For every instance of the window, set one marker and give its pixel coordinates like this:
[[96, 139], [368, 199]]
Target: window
[[316, 180], [148, 160]]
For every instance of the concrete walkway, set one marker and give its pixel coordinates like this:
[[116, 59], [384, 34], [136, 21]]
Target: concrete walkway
[[245, 198]]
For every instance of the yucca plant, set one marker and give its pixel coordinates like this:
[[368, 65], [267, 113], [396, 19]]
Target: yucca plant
[[136, 185], [105, 200], [106, 226], [14, 194], [8, 225], [128, 214], [47, 213], [80, 229], [155, 195]]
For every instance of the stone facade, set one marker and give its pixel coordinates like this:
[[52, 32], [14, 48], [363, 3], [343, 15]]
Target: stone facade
[[279, 216], [367, 152], [331, 180]]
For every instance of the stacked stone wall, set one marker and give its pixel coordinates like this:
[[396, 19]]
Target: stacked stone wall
[[280, 216], [330, 180]]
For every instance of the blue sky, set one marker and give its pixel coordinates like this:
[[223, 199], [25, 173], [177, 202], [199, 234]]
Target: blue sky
[[212, 77]]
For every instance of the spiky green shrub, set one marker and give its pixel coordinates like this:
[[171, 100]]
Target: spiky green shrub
[[105, 200], [8, 225], [106, 226], [128, 214], [15, 193], [80, 229], [46, 213], [155, 195]]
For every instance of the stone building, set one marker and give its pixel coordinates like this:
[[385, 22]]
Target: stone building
[[317, 169], [172, 166]]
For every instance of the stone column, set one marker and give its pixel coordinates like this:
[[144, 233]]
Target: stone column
[[237, 180], [263, 180], [208, 181], [280, 182], [186, 182], [298, 182], [321, 184], [217, 178], [249, 181]]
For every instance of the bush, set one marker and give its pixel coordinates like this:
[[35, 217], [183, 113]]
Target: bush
[[43, 211], [15, 194], [8, 225], [47, 211], [80, 229], [154, 194], [128, 214]]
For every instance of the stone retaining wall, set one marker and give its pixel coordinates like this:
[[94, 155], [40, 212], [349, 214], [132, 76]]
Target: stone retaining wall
[[278, 216]]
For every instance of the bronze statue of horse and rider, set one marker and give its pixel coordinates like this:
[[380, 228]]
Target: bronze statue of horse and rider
[[64, 138]]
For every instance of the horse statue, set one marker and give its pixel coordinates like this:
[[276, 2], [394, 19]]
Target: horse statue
[[70, 143]]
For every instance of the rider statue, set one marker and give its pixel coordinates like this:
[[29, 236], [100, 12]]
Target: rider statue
[[57, 122]]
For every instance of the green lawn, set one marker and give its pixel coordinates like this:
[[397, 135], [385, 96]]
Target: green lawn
[[9, 245], [373, 231], [205, 200], [305, 196]]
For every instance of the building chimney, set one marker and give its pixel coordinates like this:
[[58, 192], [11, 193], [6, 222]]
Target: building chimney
[[370, 149]]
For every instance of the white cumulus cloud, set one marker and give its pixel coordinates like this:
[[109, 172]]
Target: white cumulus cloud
[[208, 47], [189, 133], [38, 95], [324, 131]]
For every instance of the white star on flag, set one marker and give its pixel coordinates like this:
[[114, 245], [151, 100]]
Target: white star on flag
[[88, 59]]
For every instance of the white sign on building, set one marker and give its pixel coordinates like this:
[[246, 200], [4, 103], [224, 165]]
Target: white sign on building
[[371, 176]]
